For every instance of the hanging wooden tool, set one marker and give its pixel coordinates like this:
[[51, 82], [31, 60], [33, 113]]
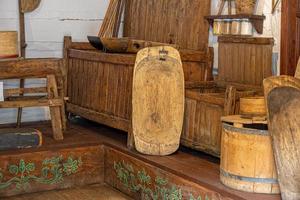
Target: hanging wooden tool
[[25, 6], [283, 104], [157, 100]]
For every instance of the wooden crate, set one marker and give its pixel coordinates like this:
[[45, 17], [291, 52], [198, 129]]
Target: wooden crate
[[205, 104], [243, 64], [99, 85]]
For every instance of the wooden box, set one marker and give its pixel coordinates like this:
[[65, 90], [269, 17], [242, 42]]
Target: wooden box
[[99, 85], [243, 63]]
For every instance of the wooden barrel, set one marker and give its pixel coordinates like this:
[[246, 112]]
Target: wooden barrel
[[251, 106], [247, 161], [157, 100], [8, 44]]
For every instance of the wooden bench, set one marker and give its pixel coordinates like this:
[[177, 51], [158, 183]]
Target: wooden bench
[[50, 96]]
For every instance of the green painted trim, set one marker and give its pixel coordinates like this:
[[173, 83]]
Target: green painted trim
[[141, 182], [53, 171]]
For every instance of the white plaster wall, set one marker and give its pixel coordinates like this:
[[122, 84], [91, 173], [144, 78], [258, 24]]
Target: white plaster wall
[[46, 26]]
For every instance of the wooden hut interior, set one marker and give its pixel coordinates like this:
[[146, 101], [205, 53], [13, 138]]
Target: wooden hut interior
[[149, 99]]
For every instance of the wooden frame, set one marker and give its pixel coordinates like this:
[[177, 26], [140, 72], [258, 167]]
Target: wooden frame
[[37, 68], [289, 52]]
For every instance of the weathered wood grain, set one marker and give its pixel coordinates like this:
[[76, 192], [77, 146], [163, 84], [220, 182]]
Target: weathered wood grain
[[283, 102], [245, 60], [204, 107], [247, 161], [29, 68], [157, 100], [100, 84], [178, 22]]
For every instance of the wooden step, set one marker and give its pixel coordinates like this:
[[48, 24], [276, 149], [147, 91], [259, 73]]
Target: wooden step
[[92, 192], [93, 154]]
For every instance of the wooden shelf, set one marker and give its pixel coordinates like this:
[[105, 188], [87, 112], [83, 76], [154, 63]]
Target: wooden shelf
[[256, 20]]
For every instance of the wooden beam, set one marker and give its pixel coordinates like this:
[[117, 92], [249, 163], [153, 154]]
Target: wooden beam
[[29, 68], [288, 54], [16, 91], [109, 120], [31, 103]]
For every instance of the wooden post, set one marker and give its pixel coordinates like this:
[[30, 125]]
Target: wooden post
[[55, 111], [230, 98], [23, 54], [130, 138]]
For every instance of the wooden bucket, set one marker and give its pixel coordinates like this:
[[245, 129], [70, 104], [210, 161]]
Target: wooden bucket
[[245, 6], [157, 100], [251, 106], [247, 161], [8, 44]]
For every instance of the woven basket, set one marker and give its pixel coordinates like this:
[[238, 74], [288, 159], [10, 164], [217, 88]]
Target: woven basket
[[8, 44], [245, 6]]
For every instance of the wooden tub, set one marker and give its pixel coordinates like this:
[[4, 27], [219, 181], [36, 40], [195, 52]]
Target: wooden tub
[[247, 161]]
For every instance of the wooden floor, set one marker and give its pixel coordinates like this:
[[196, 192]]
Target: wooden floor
[[193, 166], [93, 192]]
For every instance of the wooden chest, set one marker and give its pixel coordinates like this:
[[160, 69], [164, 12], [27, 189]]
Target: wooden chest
[[243, 64], [99, 85]]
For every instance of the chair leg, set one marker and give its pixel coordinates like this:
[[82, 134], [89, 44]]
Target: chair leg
[[63, 108], [130, 139], [57, 126], [55, 112]]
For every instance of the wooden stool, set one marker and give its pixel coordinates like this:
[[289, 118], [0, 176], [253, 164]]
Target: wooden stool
[[54, 98]]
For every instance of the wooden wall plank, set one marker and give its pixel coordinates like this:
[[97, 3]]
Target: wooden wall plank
[[179, 22]]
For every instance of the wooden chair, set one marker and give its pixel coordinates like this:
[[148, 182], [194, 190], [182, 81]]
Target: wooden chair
[[51, 96]]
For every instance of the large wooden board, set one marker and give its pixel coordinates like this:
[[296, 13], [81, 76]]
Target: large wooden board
[[157, 100], [283, 104], [169, 21], [245, 60]]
